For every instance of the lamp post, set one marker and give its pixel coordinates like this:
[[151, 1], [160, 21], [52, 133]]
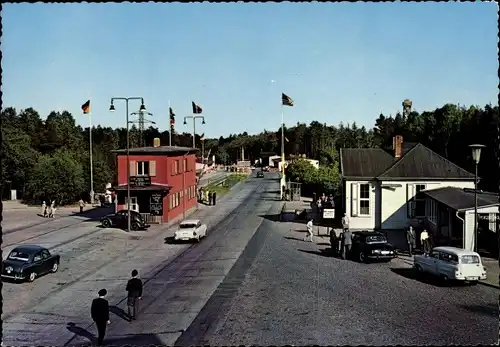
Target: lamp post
[[476, 155], [194, 118], [143, 109], [184, 168]]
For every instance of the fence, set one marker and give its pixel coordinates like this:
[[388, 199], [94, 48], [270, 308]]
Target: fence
[[150, 219]]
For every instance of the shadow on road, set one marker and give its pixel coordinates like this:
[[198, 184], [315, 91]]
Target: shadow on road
[[293, 238], [132, 340], [75, 329], [487, 310], [119, 312], [272, 217], [323, 244], [411, 274], [94, 214], [323, 252]]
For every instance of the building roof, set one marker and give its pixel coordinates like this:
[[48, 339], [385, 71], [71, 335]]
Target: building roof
[[160, 150], [152, 187], [461, 199], [421, 162], [364, 163]]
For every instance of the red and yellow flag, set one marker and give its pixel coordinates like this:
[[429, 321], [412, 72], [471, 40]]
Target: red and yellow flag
[[86, 107]]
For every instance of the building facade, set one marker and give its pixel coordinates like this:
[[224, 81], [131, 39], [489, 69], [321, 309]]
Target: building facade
[[162, 181]]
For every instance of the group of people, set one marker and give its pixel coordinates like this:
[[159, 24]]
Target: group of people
[[342, 244], [48, 211], [99, 310], [425, 241], [323, 201], [207, 196]]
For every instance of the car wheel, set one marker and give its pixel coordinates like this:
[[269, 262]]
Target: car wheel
[[419, 269], [135, 226], [362, 257], [55, 267], [106, 223], [32, 276]]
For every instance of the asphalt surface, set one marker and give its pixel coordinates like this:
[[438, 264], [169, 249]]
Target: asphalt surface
[[180, 278], [293, 294]]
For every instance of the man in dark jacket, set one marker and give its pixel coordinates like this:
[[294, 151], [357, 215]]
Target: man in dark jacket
[[134, 290], [214, 198], [100, 315], [347, 243]]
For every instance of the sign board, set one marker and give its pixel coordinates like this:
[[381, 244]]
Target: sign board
[[490, 217], [329, 213], [140, 181], [156, 204]]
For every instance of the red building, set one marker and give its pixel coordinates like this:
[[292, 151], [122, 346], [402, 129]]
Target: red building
[[162, 181]]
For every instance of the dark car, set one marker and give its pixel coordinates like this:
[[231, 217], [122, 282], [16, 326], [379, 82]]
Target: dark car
[[370, 245], [260, 174], [120, 220], [27, 262]]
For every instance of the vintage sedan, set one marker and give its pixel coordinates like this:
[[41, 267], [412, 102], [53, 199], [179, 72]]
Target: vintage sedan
[[120, 220], [370, 246], [27, 262], [190, 230], [451, 264]]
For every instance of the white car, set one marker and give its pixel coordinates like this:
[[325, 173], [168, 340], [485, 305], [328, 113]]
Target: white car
[[451, 263], [191, 229]]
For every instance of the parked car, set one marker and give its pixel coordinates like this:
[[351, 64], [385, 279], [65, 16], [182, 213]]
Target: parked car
[[451, 264], [260, 174], [371, 245], [191, 229], [27, 262], [120, 220]]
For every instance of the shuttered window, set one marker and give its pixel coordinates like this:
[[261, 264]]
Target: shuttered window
[[172, 169], [152, 168], [133, 166], [354, 199]]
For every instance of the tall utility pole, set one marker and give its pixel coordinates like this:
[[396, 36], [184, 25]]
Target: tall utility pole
[[141, 120]]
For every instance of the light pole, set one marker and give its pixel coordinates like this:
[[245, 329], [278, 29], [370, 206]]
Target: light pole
[[184, 168], [194, 118], [143, 109], [476, 155]]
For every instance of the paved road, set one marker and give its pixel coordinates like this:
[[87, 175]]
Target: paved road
[[294, 294], [54, 310], [213, 176]]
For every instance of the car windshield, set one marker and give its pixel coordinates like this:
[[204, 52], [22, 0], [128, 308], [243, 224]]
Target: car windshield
[[469, 259], [19, 255], [187, 226], [376, 239]]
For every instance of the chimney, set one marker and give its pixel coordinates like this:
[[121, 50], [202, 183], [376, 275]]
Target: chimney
[[397, 146], [156, 142]]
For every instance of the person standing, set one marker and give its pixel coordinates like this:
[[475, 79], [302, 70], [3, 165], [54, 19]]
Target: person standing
[[309, 227], [100, 315], [206, 195], [44, 209], [214, 197], [334, 242], [134, 294], [424, 241], [210, 194], [345, 222], [82, 204], [347, 243], [411, 240]]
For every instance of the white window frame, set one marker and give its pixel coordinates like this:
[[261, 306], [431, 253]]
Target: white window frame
[[360, 199], [141, 168], [432, 211]]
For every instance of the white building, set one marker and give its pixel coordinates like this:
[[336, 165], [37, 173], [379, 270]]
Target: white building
[[381, 190]]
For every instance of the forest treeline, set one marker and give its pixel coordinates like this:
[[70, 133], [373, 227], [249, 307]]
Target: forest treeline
[[50, 157]]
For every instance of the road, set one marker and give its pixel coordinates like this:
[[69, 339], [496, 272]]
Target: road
[[54, 310]]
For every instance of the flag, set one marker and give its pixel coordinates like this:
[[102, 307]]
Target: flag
[[196, 109], [202, 137], [286, 100], [172, 117], [86, 107]]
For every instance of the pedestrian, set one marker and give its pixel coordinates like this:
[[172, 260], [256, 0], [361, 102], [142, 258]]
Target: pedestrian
[[410, 239], [210, 194], [206, 195], [334, 242], [100, 315], [424, 241], [309, 227], [134, 294], [345, 222], [52, 210], [44, 209], [347, 237], [82, 204], [214, 197]]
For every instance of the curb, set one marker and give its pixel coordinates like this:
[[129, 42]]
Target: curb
[[489, 285]]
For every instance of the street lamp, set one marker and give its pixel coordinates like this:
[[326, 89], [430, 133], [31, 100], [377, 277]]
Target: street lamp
[[476, 155], [194, 118], [142, 108]]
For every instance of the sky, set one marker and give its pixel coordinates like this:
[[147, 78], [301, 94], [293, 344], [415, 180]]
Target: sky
[[339, 62]]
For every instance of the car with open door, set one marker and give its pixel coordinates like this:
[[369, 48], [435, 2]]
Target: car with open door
[[120, 220], [28, 262]]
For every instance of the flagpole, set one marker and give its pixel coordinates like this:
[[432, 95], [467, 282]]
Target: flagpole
[[171, 127], [91, 165], [282, 150], [203, 151]]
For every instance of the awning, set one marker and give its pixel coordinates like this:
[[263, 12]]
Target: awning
[[461, 199], [151, 188]]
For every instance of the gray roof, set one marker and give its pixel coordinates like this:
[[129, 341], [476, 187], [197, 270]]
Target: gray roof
[[157, 150], [421, 162], [461, 199], [364, 163]]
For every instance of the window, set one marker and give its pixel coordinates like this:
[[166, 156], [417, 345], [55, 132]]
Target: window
[[450, 258], [174, 200], [470, 259], [175, 167], [420, 202], [45, 254], [38, 257], [143, 168], [364, 199], [184, 165], [432, 211]]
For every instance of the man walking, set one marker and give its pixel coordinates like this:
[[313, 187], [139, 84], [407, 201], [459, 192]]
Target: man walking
[[347, 243], [100, 315], [309, 227], [214, 198], [134, 290], [411, 240], [424, 241], [81, 203], [210, 195]]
